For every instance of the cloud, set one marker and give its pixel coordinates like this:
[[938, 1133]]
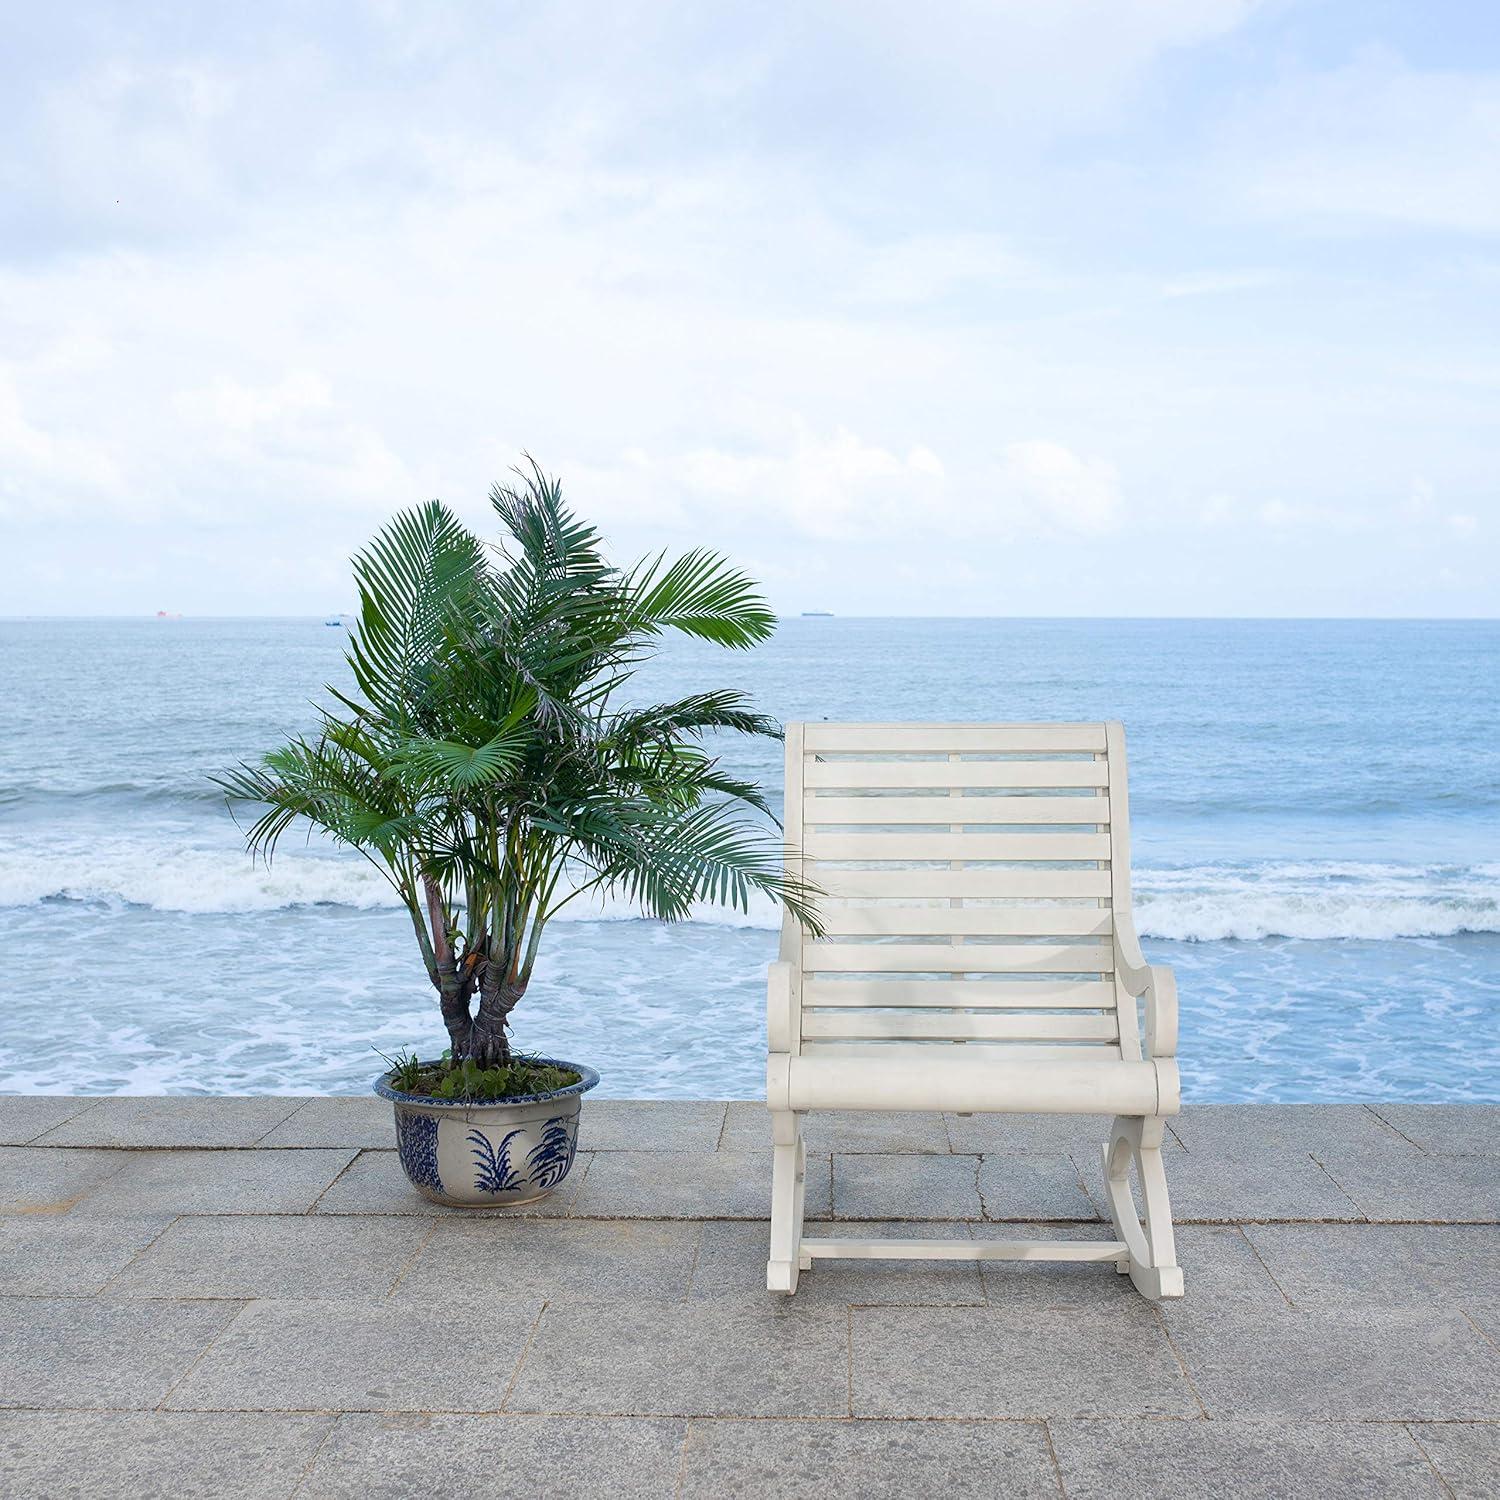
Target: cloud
[[1052, 484], [1375, 141]]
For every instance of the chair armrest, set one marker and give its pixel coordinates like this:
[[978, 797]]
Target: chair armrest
[[783, 987], [1155, 981]]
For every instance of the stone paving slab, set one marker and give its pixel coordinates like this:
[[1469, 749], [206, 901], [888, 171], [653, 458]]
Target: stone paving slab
[[745, 1357], [906, 1187], [200, 1123], [1102, 1460], [45, 1455], [689, 1185], [1467, 1456], [1446, 1129], [1385, 1265], [574, 1260], [1232, 1132], [732, 1262], [747, 1127], [1374, 1363], [93, 1352], [1001, 1362], [854, 1460], [1277, 1184], [23, 1117], [642, 1125], [497, 1457], [62, 1255], [213, 1182], [1222, 1268], [1392, 1186], [363, 1122], [357, 1356], [248, 1256], [1080, 1136], [34, 1180]]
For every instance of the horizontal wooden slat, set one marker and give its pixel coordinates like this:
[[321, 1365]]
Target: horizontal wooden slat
[[883, 1249], [967, 810], [1082, 1057], [954, 739], [988, 846], [945, 958], [851, 1026], [895, 774], [974, 921], [977, 885], [983, 994]]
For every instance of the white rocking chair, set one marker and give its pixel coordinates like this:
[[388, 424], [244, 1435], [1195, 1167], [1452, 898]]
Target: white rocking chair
[[980, 957]]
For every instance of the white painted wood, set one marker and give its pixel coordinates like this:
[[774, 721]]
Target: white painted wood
[[1034, 1026], [1038, 1250], [950, 739], [781, 1007], [912, 1004], [896, 775], [972, 958], [971, 921], [942, 809], [970, 884], [998, 991], [979, 1078], [950, 846]]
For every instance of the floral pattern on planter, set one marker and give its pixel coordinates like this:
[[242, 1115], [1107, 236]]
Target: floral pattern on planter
[[495, 1173], [417, 1146], [551, 1158]]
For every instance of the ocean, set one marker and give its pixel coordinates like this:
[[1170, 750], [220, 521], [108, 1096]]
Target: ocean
[[1315, 808]]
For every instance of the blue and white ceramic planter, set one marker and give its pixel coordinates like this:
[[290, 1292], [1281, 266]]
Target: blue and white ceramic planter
[[489, 1155]]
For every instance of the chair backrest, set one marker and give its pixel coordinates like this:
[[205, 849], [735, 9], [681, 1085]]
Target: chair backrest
[[972, 873]]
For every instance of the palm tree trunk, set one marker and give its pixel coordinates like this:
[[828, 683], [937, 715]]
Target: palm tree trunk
[[500, 991]]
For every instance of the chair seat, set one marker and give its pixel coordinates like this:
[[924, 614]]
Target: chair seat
[[982, 1081]]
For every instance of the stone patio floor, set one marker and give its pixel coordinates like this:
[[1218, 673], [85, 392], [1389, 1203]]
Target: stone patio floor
[[243, 1298]]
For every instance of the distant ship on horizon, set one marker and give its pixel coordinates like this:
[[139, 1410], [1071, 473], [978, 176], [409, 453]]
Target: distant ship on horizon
[[817, 614]]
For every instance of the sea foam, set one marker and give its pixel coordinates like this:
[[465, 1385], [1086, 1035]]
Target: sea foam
[[1200, 903]]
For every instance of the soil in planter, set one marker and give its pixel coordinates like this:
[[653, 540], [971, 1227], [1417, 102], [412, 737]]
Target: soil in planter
[[467, 1082]]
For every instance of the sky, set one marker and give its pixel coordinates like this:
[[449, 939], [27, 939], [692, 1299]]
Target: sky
[[1091, 307]]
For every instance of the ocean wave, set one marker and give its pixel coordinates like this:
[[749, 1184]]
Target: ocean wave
[[1316, 901], [1201, 903]]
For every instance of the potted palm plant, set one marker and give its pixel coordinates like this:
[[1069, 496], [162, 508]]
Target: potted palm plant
[[483, 761]]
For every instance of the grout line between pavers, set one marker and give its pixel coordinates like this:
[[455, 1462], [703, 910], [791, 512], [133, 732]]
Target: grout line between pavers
[[1255, 1251], [1353, 1202], [155, 1239], [515, 1374], [289, 1116], [312, 1207], [682, 1457], [84, 1105], [411, 1259], [301, 1485], [1192, 1385], [1468, 1318], [1398, 1130], [219, 1332], [1062, 1489], [1421, 1448]]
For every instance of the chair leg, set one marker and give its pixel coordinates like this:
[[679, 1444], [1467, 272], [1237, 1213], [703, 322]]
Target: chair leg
[[1152, 1263], [788, 1180]]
